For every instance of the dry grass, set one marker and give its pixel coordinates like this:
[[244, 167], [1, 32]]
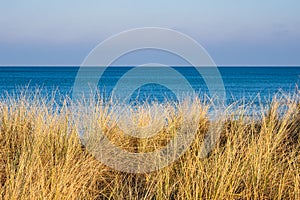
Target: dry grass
[[41, 156]]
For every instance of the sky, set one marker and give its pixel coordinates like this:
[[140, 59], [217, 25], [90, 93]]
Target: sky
[[233, 32]]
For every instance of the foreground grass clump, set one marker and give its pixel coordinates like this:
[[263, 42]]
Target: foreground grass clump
[[42, 157]]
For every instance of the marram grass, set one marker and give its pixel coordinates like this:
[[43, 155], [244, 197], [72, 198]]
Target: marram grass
[[42, 157]]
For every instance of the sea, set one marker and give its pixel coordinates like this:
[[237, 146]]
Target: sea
[[257, 84]]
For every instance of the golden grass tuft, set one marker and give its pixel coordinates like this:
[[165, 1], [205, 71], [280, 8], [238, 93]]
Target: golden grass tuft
[[41, 155]]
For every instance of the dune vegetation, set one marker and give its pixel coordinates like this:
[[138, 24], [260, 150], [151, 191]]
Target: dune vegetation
[[42, 157]]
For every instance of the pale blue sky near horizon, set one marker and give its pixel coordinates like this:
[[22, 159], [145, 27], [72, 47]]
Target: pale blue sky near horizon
[[233, 32]]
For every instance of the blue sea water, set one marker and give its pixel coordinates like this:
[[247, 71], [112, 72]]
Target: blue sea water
[[239, 82]]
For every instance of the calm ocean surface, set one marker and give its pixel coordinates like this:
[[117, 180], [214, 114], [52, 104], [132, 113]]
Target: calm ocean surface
[[239, 82]]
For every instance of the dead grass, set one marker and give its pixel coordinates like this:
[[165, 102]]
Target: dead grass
[[41, 155]]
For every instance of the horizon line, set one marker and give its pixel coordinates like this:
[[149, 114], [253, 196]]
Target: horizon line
[[56, 65]]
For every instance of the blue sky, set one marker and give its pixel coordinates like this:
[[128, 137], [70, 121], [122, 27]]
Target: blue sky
[[233, 32]]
